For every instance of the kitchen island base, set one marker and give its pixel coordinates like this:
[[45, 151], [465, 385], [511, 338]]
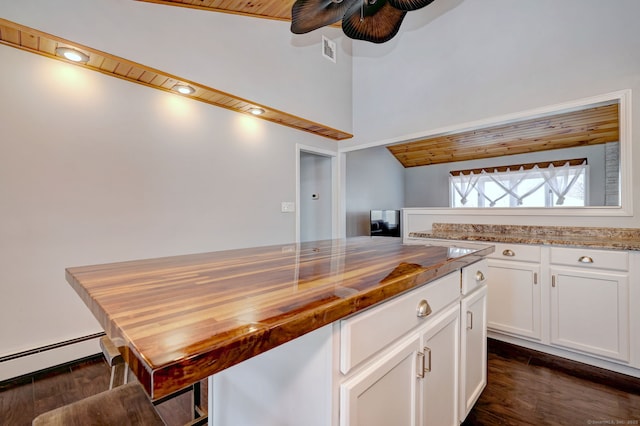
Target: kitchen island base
[[389, 364], [288, 385]]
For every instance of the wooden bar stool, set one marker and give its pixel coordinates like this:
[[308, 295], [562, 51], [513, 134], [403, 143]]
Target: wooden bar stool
[[119, 369], [120, 375], [124, 405]]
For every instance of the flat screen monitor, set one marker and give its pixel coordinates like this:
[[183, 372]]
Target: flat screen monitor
[[385, 223]]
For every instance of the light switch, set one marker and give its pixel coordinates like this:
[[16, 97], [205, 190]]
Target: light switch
[[288, 207]]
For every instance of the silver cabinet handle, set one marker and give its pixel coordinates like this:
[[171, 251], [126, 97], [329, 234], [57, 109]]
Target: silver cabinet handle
[[535, 278], [420, 374], [469, 320], [508, 252], [585, 259], [427, 352], [423, 309], [479, 276], [553, 280]]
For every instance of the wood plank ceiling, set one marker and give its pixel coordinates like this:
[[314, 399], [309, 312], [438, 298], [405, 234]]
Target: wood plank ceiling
[[269, 9], [34, 41], [589, 126]]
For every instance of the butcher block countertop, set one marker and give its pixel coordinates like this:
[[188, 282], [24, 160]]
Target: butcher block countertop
[[567, 236], [180, 319]]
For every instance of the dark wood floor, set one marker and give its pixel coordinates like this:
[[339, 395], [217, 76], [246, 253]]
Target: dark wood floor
[[524, 388], [23, 400]]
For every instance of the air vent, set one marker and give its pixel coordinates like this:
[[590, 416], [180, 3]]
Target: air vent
[[329, 49]]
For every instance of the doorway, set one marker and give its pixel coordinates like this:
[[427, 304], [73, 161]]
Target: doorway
[[317, 199]]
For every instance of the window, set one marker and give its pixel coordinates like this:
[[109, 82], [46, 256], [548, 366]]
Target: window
[[555, 184]]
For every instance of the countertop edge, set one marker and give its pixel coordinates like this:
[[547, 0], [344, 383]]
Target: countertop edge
[[533, 240], [267, 337]]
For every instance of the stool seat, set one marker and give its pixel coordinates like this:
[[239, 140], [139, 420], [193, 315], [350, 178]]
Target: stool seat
[[124, 405], [120, 375]]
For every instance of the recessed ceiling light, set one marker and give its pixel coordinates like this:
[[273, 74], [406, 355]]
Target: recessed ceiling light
[[185, 89], [256, 111], [72, 54]]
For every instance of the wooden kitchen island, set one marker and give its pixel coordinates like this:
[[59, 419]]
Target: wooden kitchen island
[[180, 319]]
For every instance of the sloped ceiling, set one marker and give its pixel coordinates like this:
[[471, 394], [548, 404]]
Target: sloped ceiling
[[269, 9], [589, 126]]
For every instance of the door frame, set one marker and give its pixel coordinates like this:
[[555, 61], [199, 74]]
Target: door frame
[[336, 222]]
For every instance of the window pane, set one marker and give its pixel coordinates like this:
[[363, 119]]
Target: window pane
[[530, 188]]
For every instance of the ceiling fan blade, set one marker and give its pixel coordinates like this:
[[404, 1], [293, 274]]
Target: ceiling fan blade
[[309, 15], [409, 5], [374, 20]]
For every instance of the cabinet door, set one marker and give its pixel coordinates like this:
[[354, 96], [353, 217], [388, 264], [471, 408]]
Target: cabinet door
[[384, 392], [590, 312], [514, 298], [439, 386], [473, 349]]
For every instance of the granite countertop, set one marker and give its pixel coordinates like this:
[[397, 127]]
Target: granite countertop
[[591, 237], [177, 320]]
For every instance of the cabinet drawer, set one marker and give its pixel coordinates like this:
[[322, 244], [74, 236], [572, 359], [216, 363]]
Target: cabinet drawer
[[474, 276], [521, 252], [586, 258], [369, 332]]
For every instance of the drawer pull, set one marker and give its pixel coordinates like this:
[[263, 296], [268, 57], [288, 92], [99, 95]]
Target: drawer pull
[[420, 374], [423, 309], [479, 276], [508, 252], [585, 259], [427, 353]]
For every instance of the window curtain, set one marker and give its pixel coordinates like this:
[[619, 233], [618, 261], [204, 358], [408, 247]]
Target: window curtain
[[517, 184], [464, 184], [561, 179]]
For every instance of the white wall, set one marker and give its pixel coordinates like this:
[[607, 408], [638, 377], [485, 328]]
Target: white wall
[[462, 61], [374, 180], [257, 59], [94, 169]]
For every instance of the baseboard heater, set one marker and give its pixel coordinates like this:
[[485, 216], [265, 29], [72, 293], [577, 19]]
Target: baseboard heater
[[50, 347]]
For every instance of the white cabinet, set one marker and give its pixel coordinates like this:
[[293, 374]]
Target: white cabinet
[[440, 373], [473, 349], [414, 383], [572, 302], [384, 393], [514, 302], [400, 359], [514, 298], [418, 359], [590, 302]]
